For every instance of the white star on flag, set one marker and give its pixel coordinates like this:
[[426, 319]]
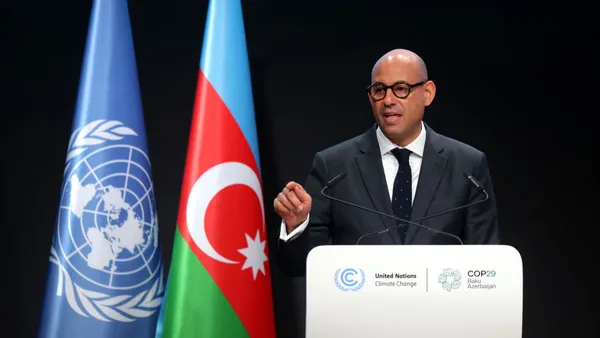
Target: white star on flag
[[255, 254]]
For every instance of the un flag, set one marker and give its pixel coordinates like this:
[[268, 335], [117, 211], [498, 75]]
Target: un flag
[[105, 276]]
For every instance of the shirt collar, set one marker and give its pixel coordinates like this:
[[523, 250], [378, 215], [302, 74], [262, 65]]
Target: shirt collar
[[417, 146]]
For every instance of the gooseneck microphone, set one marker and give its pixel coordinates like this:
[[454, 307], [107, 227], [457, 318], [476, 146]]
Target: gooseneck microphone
[[476, 184], [336, 180]]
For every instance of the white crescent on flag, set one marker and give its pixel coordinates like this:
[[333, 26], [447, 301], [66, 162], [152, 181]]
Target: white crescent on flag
[[205, 189]]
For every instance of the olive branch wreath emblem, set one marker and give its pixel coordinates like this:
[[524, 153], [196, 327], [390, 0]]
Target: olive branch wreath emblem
[[97, 304], [343, 288]]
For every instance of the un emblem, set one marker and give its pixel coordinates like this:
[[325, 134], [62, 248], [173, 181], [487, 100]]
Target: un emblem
[[106, 245], [349, 279]]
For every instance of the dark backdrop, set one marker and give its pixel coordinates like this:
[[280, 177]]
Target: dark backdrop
[[512, 81]]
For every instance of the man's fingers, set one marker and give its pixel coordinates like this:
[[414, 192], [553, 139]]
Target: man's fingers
[[291, 185], [285, 202], [294, 197], [291, 196], [281, 209], [303, 196]]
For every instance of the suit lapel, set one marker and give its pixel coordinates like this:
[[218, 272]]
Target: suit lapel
[[371, 170], [433, 167]]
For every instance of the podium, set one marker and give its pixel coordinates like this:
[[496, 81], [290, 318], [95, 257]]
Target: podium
[[467, 291]]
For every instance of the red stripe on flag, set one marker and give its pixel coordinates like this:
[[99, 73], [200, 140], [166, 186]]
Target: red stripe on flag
[[233, 213]]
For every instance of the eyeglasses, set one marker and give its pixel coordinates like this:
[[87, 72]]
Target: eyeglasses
[[400, 89]]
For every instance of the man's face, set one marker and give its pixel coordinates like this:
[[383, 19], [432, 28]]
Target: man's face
[[400, 118]]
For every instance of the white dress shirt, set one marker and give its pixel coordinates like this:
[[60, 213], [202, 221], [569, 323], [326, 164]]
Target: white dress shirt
[[390, 168]]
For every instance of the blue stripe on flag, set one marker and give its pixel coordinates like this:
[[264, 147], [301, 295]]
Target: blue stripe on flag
[[224, 62]]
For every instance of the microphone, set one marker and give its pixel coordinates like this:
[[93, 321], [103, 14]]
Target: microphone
[[477, 185], [336, 180]]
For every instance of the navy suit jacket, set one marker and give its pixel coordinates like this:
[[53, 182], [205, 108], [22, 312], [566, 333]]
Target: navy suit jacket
[[442, 185]]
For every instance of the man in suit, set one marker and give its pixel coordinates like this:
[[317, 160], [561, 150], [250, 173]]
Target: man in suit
[[399, 166]]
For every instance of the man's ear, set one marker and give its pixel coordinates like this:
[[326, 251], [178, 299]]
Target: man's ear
[[429, 92]]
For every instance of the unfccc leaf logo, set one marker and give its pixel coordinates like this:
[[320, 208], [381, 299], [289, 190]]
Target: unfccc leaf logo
[[349, 279]]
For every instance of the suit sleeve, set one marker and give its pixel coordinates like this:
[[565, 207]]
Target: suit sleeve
[[482, 219], [292, 254]]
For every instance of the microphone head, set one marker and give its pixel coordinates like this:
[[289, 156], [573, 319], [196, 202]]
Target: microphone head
[[473, 181], [334, 181]]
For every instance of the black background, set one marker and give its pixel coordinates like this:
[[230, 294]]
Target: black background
[[514, 80]]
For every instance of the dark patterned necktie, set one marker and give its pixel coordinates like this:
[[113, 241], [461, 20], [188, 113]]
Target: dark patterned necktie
[[402, 193]]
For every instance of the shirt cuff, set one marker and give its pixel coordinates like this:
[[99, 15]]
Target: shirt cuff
[[284, 236]]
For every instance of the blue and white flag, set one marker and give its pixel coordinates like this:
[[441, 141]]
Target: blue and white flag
[[105, 277]]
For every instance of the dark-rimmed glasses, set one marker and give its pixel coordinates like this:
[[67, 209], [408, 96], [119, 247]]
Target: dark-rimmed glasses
[[400, 89]]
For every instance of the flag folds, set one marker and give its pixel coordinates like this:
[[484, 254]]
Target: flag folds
[[105, 272], [219, 281]]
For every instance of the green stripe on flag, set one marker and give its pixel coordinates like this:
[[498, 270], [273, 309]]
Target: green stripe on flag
[[196, 307]]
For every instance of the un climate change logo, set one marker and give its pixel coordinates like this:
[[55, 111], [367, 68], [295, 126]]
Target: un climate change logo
[[349, 279], [106, 246], [450, 279]]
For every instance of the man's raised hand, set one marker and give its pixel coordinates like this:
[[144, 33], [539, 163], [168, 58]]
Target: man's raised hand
[[293, 205]]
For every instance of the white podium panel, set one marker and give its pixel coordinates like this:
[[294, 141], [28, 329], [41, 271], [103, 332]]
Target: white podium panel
[[470, 291]]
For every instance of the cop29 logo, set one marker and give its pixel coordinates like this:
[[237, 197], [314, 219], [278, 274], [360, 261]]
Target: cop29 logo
[[350, 279], [450, 279]]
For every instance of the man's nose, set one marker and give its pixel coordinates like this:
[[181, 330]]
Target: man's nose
[[389, 98]]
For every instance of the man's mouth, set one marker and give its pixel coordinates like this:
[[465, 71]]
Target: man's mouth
[[392, 117]]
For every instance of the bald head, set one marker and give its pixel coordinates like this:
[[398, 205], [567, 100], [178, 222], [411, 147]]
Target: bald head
[[403, 58]]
